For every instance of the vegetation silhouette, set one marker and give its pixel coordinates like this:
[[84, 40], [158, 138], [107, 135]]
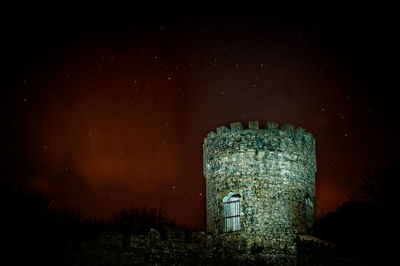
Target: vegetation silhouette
[[36, 231], [362, 228]]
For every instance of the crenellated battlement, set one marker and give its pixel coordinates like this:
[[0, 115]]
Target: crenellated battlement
[[237, 128], [228, 145], [270, 137]]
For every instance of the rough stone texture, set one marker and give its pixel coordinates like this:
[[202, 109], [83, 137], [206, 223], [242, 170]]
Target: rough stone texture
[[174, 249], [273, 171], [195, 248]]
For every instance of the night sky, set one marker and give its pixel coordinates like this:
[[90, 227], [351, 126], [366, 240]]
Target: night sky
[[106, 105]]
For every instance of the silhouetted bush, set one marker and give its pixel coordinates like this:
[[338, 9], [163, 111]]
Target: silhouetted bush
[[36, 232], [365, 225], [140, 221]]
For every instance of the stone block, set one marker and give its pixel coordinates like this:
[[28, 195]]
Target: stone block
[[253, 125], [237, 126], [272, 125], [222, 130], [288, 127]]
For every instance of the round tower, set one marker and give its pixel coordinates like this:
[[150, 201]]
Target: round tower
[[260, 187]]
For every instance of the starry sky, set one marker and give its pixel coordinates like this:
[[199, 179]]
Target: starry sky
[[105, 105]]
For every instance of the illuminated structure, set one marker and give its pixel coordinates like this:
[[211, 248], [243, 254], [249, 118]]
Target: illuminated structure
[[260, 188]]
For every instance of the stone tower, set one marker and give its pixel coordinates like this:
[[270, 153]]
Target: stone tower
[[260, 188]]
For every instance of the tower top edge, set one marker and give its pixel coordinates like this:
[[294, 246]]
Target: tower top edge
[[237, 127]]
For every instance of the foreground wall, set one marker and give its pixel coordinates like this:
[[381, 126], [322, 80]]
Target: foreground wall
[[177, 247]]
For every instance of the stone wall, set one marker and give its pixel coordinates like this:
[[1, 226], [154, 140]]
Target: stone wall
[[273, 171], [177, 247]]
